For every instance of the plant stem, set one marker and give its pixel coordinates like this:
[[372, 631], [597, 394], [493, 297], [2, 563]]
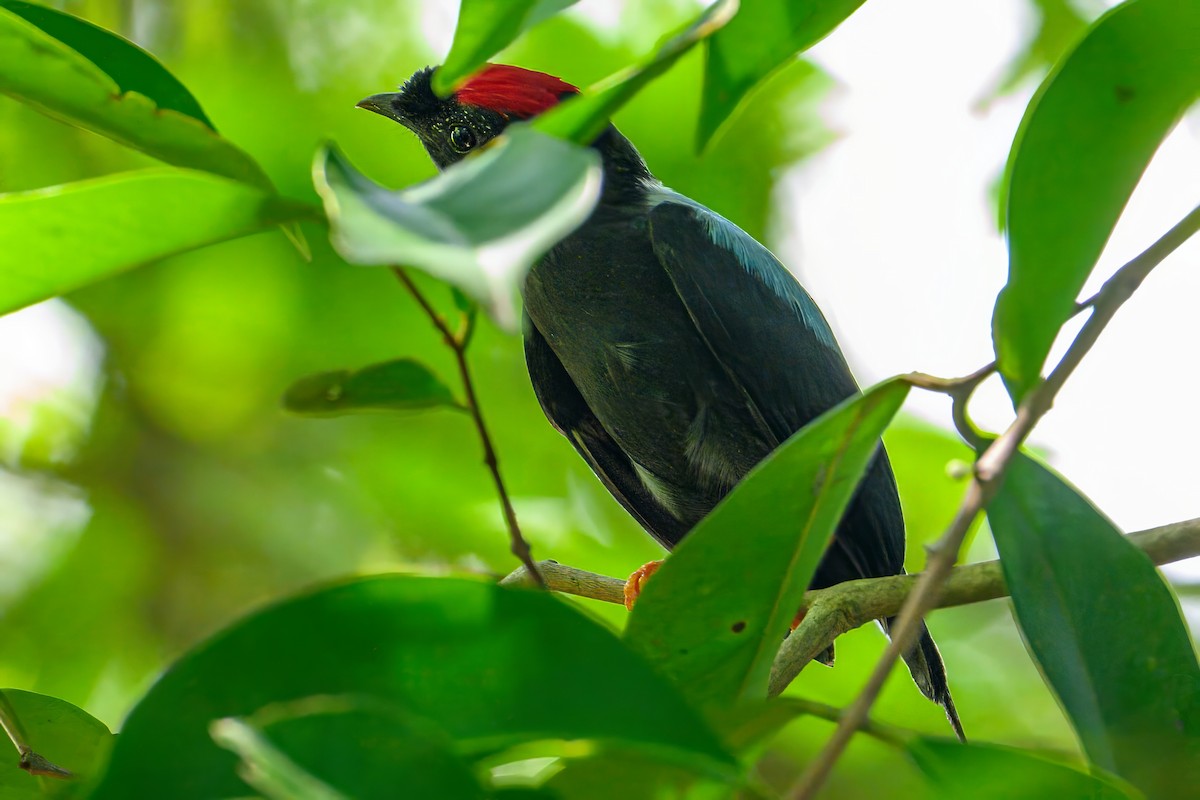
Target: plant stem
[[864, 600], [30, 761], [458, 344], [989, 474]]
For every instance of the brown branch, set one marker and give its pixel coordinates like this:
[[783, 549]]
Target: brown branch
[[989, 473], [959, 391], [868, 599], [458, 344], [568, 580], [841, 608]]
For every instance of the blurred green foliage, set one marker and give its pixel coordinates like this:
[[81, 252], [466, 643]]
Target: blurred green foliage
[[182, 496]]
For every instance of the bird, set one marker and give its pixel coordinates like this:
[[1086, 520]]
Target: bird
[[672, 349]]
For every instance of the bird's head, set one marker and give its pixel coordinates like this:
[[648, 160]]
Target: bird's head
[[478, 111]]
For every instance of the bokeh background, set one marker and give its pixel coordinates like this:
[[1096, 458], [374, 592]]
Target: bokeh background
[[152, 490]]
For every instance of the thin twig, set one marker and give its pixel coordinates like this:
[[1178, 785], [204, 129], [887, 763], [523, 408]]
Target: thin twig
[[959, 391], [989, 473], [900, 737], [568, 580], [458, 344]]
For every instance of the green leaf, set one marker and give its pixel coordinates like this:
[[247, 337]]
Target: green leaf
[[713, 617], [581, 119], [478, 226], [345, 746], [137, 104], [492, 667], [485, 27], [266, 768], [1104, 628], [763, 37], [131, 67], [400, 385], [65, 237], [613, 774], [931, 465], [1084, 142], [991, 772], [67, 736]]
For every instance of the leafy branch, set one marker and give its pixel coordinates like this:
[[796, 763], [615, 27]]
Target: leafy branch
[[458, 341], [838, 609], [988, 475]]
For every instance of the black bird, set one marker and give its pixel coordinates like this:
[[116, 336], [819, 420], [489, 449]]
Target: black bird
[[672, 350]]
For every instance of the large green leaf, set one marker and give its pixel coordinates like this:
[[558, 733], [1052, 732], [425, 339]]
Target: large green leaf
[[478, 226], [66, 237], [131, 67], [581, 119], [611, 774], [991, 772], [67, 736], [714, 616], [485, 27], [490, 666], [352, 747], [137, 103], [400, 385], [763, 37], [1105, 629], [1084, 142]]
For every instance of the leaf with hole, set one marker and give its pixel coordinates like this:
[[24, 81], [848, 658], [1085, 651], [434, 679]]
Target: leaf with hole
[[713, 617], [478, 226], [63, 238], [485, 27], [1104, 628], [77, 72], [399, 385], [765, 36], [476, 660], [1086, 138]]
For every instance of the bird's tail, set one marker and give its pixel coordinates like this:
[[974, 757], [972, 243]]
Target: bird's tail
[[929, 673]]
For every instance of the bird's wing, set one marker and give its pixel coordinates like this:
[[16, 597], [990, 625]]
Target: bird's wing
[[570, 415], [757, 320], [773, 341]]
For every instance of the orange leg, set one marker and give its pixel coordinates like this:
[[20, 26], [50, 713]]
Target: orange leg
[[633, 586]]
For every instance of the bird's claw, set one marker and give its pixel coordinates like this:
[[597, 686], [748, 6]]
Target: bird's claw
[[633, 586]]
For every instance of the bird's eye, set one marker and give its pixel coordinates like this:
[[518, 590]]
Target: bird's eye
[[462, 138]]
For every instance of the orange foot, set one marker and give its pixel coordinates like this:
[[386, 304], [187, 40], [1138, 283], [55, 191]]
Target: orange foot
[[826, 656], [799, 618], [633, 586]]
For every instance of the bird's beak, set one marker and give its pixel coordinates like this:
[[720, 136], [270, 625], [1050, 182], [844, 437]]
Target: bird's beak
[[383, 104]]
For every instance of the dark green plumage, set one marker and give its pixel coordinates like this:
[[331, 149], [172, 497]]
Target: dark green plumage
[[673, 350]]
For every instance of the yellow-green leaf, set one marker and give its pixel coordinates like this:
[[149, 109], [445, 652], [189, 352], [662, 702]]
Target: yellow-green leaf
[[65, 237], [39, 68]]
